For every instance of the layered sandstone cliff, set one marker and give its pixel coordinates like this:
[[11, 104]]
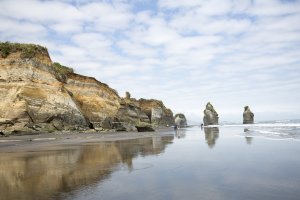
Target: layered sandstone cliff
[[157, 112], [39, 95], [32, 97]]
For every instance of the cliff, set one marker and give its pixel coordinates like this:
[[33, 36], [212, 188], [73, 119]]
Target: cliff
[[38, 95], [157, 112]]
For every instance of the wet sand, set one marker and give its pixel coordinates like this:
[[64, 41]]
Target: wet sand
[[213, 163], [61, 140]]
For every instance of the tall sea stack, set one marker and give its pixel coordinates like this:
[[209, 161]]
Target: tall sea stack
[[248, 116], [210, 115], [183, 121]]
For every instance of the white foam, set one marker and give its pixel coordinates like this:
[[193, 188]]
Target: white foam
[[258, 125]]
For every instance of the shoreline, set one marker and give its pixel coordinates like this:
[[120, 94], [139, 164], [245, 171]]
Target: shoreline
[[63, 140]]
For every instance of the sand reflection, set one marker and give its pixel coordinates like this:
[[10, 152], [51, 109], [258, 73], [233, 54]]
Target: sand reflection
[[44, 175]]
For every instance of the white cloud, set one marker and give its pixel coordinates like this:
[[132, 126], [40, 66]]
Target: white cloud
[[15, 29], [104, 16], [66, 27], [274, 8], [178, 4], [39, 11], [186, 53]]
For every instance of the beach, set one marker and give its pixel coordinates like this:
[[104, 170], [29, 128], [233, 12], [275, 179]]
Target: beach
[[224, 162], [38, 142]]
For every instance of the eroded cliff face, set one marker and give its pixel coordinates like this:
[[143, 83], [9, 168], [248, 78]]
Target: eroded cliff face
[[32, 97], [95, 100], [130, 116], [157, 112], [144, 114], [38, 95]]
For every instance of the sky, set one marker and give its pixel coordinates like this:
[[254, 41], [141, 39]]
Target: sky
[[231, 53]]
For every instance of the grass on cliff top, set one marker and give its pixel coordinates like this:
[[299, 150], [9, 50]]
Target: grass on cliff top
[[27, 50], [61, 69]]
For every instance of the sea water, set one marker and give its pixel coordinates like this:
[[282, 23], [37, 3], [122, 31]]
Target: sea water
[[259, 161]]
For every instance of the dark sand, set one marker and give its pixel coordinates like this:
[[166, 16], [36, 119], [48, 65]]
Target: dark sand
[[61, 140]]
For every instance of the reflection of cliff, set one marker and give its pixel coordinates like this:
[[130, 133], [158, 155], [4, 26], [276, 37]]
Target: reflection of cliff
[[143, 146], [211, 135], [47, 174]]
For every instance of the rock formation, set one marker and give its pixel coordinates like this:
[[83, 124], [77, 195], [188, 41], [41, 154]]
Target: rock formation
[[183, 121], [127, 95], [95, 100], [248, 116], [210, 115], [130, 117], [158, 114], [39, 95]]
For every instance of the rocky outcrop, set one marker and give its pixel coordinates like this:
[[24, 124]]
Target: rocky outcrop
[[210, 115], [38, 95], [95, 100], [142, 115], [158, 114], [130, 115], [248, 116], [33, 98], [183, 121]]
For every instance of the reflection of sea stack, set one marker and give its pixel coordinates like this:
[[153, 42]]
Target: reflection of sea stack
[[248, 116], [210, 115], [248, 137], [211, 135]]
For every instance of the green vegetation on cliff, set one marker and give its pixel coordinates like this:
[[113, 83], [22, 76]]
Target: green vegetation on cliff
[[30, 51], [61, 69], [27, 50]]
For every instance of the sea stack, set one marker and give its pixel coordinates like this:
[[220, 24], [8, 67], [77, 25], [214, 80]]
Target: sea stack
[[210, 115], [248, 116], [183, 121]]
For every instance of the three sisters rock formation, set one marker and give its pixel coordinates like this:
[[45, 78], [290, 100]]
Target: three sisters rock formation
[[211, 116]]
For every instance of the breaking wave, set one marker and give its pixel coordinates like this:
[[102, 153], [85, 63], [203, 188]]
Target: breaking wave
[[279, 129]]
